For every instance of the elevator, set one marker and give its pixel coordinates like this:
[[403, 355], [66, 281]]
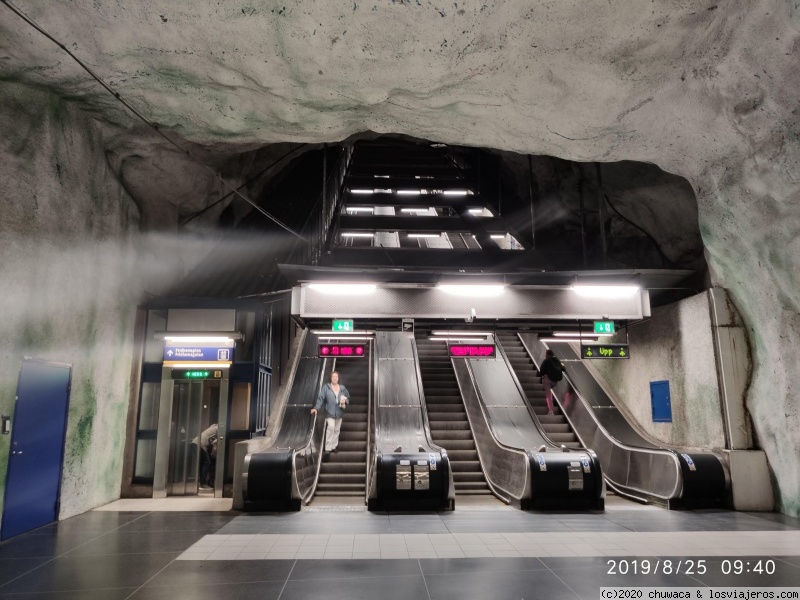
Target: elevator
[[190, 453]]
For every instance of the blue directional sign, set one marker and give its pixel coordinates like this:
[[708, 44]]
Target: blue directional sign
[[198, 353]]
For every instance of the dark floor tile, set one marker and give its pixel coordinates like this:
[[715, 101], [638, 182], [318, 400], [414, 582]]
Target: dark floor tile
[[478, 565], [11, 568], [194, 573], [792, 560], [137, 542], [786, 520], [587, 581], [262, 590], [90, 573], [102, 594], [172, 521], [600, 563], [385, 588], [353, 569], [92, 522], [497, 585], [48, 544]]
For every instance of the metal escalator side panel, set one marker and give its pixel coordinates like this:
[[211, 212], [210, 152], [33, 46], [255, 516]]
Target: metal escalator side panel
[[401, 435], [295, 444], [506, 469]]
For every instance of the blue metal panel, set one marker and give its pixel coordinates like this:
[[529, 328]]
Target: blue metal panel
[[37, 447], [660, 402]]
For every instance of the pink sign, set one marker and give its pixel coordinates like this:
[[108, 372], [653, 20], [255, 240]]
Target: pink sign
[[467, 351]]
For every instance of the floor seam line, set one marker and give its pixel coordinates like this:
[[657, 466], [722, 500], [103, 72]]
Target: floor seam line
[[288, 577]]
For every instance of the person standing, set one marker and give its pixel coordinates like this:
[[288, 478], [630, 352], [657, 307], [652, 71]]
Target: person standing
[[335, 397], [552, 371]]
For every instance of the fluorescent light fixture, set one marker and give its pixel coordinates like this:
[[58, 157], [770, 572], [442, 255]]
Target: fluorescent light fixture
[[451, 333], [381, 176], [415, 210], [476, 211], [424, 235], [383, 191], [368, 209], [357, 234], [197, 365], [606, 291], [456, 192], [341, 289], [497, 236], [456, 339], [408, 192], [362, 191], [192, 339], [583, 335], [563, 339], [474, 291], [349, 338]]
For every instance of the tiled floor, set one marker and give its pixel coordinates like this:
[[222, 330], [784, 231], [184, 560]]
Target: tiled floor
[[164, 549]]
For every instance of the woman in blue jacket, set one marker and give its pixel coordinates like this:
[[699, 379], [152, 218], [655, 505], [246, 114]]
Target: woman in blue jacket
[[335, 398]]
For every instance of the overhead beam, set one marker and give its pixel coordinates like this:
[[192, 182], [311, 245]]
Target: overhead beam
[[417, 224]]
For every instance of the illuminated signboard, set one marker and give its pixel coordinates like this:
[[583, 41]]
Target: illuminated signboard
[[605, 351], [196, 374], [604, 326], [342, 350], [342, 325], [472, 350]]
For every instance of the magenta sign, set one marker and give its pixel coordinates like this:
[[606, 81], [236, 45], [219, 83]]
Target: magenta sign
[[472, 351], [342, 350]]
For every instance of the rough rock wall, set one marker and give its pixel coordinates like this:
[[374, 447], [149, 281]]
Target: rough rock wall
[[676, 345], [704, 89], [66, 270]]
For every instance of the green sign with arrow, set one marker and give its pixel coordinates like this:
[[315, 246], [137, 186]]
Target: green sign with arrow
[[605, 351]]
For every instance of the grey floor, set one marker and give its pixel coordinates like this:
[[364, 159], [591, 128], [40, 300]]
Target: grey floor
[[119, 555]]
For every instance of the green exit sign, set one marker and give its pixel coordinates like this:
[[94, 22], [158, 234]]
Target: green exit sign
[[342, 325], [605, 351], [604, 326]]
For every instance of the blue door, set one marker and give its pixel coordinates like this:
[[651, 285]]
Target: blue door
[[37, 447]]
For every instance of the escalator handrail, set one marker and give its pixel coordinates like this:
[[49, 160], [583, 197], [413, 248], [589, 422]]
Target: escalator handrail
[[370, 415], [306, 497]]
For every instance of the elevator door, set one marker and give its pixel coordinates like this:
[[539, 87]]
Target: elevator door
[[184, 458]]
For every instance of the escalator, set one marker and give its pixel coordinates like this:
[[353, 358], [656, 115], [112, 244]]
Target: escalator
[[292, 468], [343, 473], [633, 465], [555, 426], [448, 420]]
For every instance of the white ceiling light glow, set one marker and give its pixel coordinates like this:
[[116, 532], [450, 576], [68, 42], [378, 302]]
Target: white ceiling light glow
[[472, 291], [195, 339], [452, 333], [583, 335], [606, 291], [343, 289], [357, 234], [356, 209], [408, 192], [423, 235], [362, 191], [456, 192]]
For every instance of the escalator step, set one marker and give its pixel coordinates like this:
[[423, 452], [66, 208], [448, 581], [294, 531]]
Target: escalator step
[[350, 478], [442, 437], [449, 425], [359, 468], [447, 416], [348, 494], [353, 488], [469, 477], [560, 438], [346, 457], [460, 445], [444, 408], [464, 464], [463, 455]]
